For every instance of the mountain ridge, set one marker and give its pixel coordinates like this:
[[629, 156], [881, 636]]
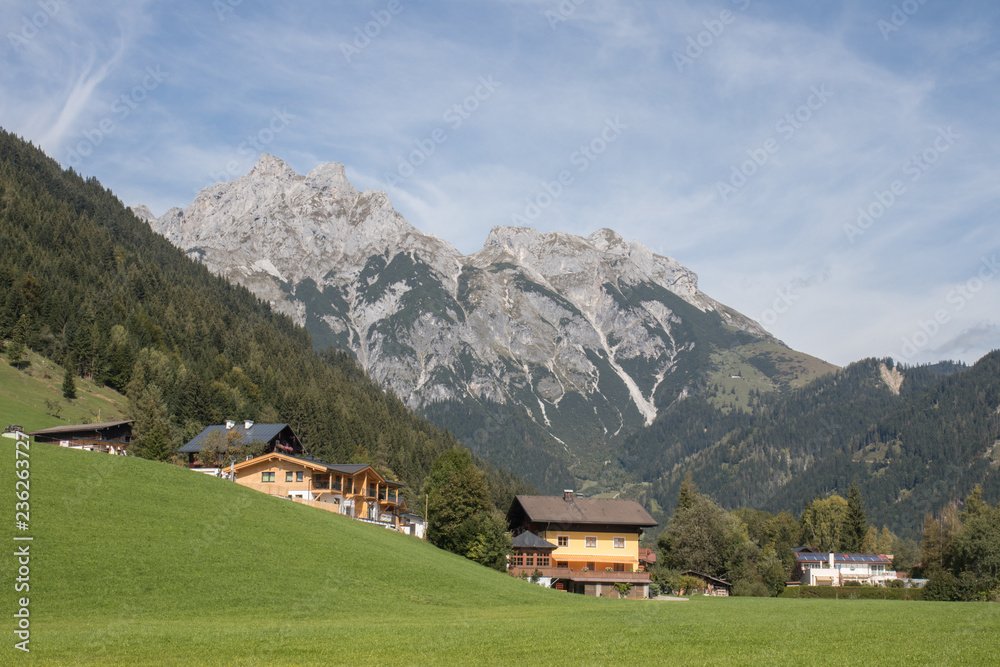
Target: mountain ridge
[[580, 338]]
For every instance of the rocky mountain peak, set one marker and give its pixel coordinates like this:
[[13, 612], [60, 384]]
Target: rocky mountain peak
[[142, 212], [590, 319], [608, 240], [331, 178], [270, 168]]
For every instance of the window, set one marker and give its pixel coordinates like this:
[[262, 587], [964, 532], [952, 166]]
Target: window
[[590, 542], [267, 477], [519, 560], [562, 541], [298, 476], [562, 563], [591, 566], [543, 561], [619, 543], [529, 561], [288, 476], [619, 567]]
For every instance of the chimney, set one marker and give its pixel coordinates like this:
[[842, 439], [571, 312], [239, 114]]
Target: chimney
[[230, 424], [567, 494], [247, 425], [832, 565]]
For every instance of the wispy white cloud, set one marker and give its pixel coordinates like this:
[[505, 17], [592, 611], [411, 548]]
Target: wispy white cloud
[[687, 128]]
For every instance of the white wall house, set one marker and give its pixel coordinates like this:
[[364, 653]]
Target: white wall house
[[835, 569]]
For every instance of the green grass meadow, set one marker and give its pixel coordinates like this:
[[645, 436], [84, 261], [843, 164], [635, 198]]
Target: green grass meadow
[[135, 562], [23, 396]]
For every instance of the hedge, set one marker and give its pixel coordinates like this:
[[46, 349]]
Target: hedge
[[858, 593]]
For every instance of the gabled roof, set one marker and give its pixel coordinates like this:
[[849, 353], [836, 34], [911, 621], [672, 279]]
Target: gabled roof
[[349, 469], [55, 430], [263, 432], [306, 463], [559, 510], [528, 540], [707, 577]]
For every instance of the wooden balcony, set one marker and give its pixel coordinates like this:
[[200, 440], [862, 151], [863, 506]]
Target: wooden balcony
[[594, 576]]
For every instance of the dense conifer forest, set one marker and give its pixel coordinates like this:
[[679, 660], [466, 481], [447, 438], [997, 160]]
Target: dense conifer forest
[[910, 453], [87, 284]]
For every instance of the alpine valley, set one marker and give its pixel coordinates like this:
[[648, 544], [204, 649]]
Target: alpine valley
[[543, 352]]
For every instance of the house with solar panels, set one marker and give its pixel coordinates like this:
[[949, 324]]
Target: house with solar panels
[[833, 569]]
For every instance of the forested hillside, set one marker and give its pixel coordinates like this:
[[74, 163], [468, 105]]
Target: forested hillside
[[913, 439], [87, 284]]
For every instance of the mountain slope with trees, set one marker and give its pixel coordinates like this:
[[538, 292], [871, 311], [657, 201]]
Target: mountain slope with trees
[[87, 284], [912, 439]]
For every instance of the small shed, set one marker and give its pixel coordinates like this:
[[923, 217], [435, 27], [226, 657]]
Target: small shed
[[713, 585]]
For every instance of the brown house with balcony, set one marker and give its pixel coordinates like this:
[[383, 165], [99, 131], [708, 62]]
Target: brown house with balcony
[[582, 545], [354, 490]]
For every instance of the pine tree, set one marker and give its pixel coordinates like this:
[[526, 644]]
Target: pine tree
[[855, 528], [68, 383], [152, 435], [688, 493], [15, 349]]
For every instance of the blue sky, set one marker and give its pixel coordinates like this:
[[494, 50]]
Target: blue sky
[[829, 169]]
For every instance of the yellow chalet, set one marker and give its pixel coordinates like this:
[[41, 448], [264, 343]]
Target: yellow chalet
[[581, 545], [354, 490]]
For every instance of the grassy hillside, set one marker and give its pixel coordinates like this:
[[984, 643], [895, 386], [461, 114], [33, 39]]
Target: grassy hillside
[[761, 367], [32, 397], [137, 562]]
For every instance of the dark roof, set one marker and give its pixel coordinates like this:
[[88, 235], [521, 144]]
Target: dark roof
[[342, 468], [843, 558], [264, 432], [80, 427], [702, 575], [528, 540], [803, 550], [557, 509], [346, 468]]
